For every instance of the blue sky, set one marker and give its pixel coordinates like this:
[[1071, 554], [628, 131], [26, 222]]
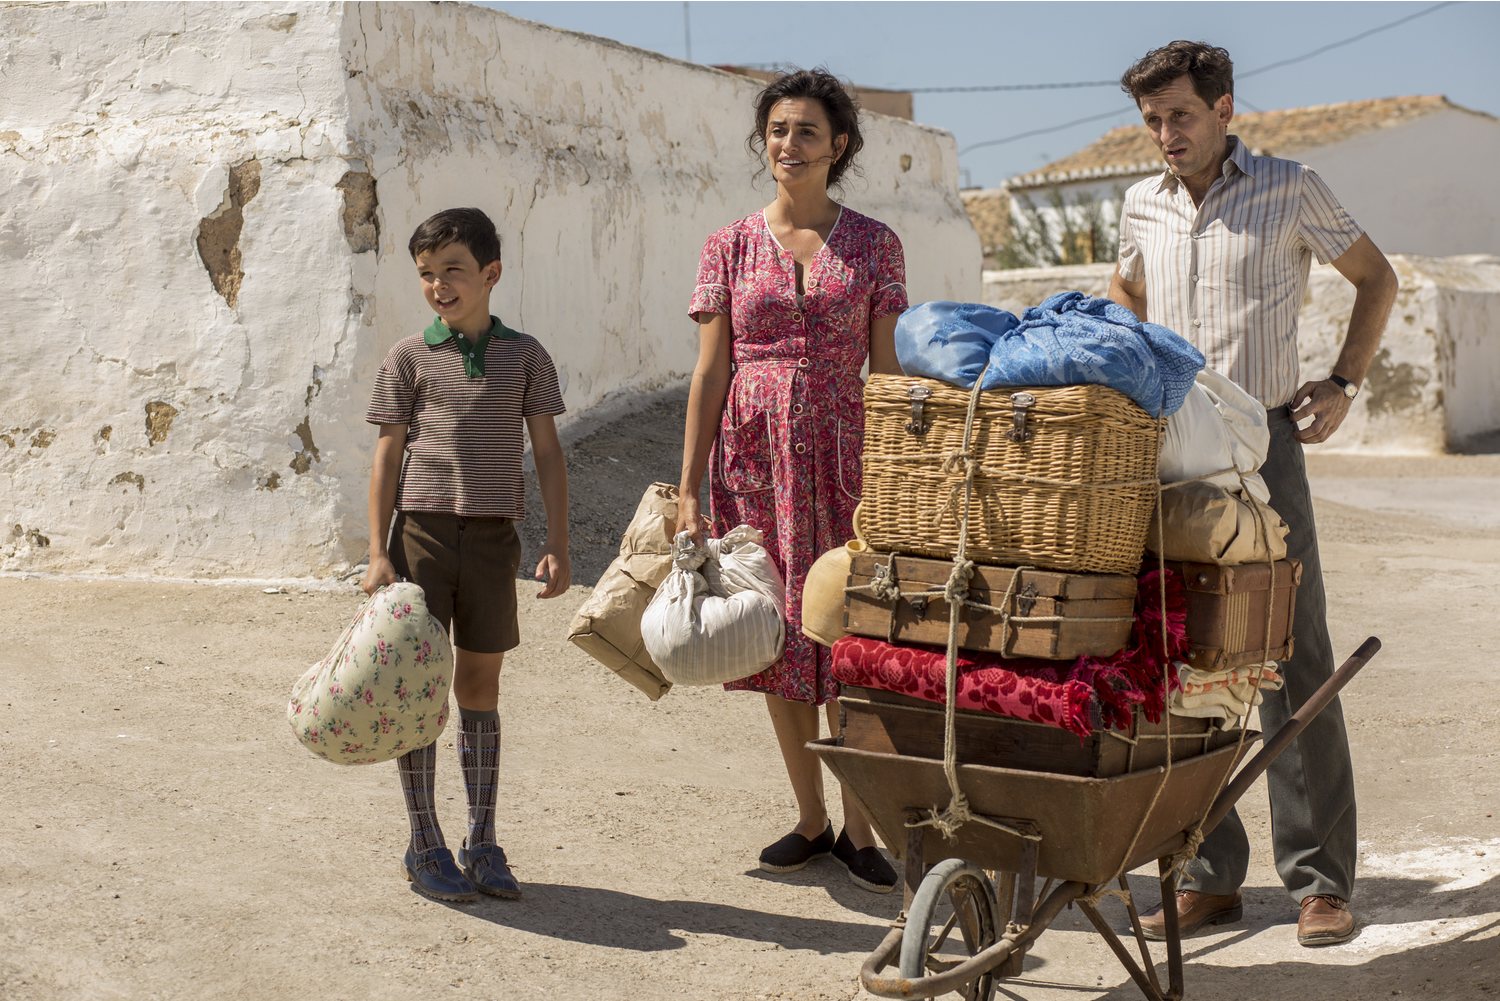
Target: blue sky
[[1454, 50]]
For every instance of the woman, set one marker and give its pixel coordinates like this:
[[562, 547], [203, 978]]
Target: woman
[[790, 302]]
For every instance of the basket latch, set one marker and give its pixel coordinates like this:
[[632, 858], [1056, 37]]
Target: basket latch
[[1021, 404], [919, 396]]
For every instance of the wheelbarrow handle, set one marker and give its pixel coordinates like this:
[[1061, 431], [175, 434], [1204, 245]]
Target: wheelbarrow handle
[[1288, 733]]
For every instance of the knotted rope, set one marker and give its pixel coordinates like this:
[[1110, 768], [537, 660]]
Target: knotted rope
[[1193, 837], [957, 812]]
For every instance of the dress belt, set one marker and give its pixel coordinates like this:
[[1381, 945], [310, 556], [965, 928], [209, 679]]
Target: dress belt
[[805, 362]]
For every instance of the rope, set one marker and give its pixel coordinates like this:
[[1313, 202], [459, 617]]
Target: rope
[[1166, 668], [1092, 899], [886, 589], [1195, 835], [957, 812]]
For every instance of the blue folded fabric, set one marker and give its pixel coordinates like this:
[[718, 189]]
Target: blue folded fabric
[[1070, 339]]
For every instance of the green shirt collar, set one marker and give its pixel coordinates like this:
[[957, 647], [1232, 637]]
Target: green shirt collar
[[473, 354]]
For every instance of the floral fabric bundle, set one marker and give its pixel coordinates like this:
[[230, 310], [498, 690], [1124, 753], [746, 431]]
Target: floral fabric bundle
[[383, 689]]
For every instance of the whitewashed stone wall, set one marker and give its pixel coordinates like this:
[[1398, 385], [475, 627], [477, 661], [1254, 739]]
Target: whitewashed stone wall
[[1432, 385], [202, 250]]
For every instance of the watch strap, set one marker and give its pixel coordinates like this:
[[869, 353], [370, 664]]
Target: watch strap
[[1350, 389]]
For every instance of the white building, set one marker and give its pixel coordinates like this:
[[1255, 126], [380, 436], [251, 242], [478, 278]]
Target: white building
[[1416, 172]]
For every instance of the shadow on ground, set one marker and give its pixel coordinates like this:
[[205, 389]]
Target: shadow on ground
[[1222, 966], [596, 916]]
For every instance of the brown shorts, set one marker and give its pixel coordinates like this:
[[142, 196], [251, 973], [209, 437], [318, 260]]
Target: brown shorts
[[467, 568]]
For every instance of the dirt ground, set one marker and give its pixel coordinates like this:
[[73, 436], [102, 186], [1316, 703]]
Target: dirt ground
[[166, 838]]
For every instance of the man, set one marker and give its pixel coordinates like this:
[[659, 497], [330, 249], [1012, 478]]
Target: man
[[1218, 248]]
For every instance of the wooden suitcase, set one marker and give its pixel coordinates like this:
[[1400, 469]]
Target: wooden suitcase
[[1056, 616], [873, 720], [1226, 617]]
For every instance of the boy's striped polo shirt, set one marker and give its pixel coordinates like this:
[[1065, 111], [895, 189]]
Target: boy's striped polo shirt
[[464, 434]]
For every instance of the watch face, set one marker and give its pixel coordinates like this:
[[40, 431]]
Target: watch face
[[1351, 390]]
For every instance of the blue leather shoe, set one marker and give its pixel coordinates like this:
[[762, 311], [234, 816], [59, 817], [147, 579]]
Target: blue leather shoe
[[433, 874], [487, 868]]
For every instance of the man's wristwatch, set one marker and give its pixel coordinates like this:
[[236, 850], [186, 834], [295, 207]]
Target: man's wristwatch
[[1350, 389]]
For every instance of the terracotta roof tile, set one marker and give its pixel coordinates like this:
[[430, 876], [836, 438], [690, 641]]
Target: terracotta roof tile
[[1128, 149], [989, 211]]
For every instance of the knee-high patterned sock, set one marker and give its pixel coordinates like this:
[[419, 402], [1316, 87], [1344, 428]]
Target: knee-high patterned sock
[[418, 769], [479, 755]]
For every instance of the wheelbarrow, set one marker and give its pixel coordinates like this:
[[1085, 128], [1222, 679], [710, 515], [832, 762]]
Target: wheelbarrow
[[1079, 834]]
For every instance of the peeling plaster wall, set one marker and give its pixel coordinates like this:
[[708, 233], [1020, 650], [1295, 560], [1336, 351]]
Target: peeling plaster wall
[[202, 246], [175, 274], [1431, 387], [604, 180]]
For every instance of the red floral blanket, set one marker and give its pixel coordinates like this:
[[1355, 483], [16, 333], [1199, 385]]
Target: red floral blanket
[[1058, 693]]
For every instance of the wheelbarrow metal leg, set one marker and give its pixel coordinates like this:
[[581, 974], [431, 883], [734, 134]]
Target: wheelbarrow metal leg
[[1173, 928], [914, 867], [1023, 907], [1140, 937], [1147, 983]]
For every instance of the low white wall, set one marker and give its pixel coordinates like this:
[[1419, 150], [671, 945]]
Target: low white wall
[[203, 245], [1432, 385]]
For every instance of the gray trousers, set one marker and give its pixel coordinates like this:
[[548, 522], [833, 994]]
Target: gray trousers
[[1312, 783]]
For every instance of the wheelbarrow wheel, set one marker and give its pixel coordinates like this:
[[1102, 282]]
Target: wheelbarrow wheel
[[955, 895]]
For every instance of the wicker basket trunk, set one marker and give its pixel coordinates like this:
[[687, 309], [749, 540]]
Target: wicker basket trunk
[[1065, 478]]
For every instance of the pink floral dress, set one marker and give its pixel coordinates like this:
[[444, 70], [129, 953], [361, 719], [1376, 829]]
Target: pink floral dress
[[787, 456]]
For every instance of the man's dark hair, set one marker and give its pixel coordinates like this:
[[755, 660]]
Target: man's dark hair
[[1209, 67], [821, 86], [470, 227]]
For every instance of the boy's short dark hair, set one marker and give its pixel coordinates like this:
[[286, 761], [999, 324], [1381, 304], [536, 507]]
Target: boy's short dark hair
[[470, 227], [1208, 66]]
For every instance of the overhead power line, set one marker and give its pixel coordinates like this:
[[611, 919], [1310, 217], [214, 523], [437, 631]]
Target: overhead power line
[[981, 88], [1044, 131], [1348, 41], [1239, 76]]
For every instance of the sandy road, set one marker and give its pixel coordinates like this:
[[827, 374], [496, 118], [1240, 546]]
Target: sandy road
[[166, 839]]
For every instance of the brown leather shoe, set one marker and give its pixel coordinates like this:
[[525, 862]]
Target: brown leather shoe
[[1194, 910], [1324, 920]]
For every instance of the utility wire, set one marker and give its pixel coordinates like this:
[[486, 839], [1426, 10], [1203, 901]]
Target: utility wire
[[982, 88], [1044, 131], [1263, 69], [965, 89], [1351, 39]]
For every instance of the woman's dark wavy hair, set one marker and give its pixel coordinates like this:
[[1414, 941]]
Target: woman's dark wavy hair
[[1208, 66], [838, 104]]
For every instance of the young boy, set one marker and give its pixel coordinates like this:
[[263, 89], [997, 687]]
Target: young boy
[[450, 403]]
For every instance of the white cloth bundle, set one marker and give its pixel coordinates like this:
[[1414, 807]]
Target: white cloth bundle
[[720, 614], [1220, 434]]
